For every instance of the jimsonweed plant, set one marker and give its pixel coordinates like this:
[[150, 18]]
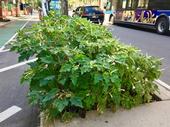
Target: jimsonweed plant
[[81, 67]]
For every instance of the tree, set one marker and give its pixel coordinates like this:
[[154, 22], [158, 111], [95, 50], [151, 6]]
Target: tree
[[44, 2], [1, 10], [17, 8], [64, 7]]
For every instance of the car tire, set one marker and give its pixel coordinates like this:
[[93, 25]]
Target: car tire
[[101, 22], [162, 25]]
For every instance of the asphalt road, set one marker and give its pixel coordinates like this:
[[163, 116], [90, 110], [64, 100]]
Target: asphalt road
[[149, 42], [13, 94], [10, 29]]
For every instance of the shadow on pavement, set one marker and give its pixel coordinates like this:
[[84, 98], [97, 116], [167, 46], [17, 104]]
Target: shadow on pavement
[[141, 28]]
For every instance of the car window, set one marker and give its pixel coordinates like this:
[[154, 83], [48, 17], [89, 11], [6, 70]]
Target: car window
[[92, 8], [77, 9], [81, 10]]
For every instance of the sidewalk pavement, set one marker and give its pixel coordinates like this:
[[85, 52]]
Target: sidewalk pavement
[[156, 114], [34, 17]]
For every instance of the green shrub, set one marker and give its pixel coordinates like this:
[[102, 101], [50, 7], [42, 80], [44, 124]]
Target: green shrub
[[81, 67]]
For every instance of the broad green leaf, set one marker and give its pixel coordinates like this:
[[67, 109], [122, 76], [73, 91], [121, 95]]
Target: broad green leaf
[[115, 79], [34, 97], [89, 101], [51, 77], [74, 79], [27, 76], [63, 81], [76, 101], [44, 82], [47, 59], [66, 68], [85, 68], [60, 104], [106, 77], [97, 78], [50, 95], [47, 80]]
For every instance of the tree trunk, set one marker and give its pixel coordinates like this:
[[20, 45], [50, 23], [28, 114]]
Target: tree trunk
[[1, 10], [111, 4], [43, 2], [64, 7], [17, 8]]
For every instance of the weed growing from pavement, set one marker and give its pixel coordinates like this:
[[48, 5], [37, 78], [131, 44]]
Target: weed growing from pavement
[[80, 67]]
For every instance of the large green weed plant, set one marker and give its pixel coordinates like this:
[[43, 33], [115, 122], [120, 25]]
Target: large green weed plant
[[80, 67]]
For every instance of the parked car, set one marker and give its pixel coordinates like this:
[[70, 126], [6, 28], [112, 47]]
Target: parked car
[[92, 13]]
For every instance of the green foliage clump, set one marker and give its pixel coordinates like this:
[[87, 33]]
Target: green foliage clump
[[80, 67]]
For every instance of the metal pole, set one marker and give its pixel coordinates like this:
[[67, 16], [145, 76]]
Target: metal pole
[[43, 2]]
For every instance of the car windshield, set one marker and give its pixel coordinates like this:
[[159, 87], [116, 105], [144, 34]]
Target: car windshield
[[92, 8]]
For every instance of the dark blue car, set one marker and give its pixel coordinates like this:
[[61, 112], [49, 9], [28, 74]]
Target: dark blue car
[[92, 13]]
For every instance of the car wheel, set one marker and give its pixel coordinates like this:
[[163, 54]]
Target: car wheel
[[100, 22], [162, 26]]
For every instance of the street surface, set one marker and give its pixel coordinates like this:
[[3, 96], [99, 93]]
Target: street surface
[[10, 29], [149, 42], [12, 94]]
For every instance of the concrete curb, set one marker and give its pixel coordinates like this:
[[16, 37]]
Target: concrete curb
[[6, 23], [102, 121], [148, 115], [164, 93]]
